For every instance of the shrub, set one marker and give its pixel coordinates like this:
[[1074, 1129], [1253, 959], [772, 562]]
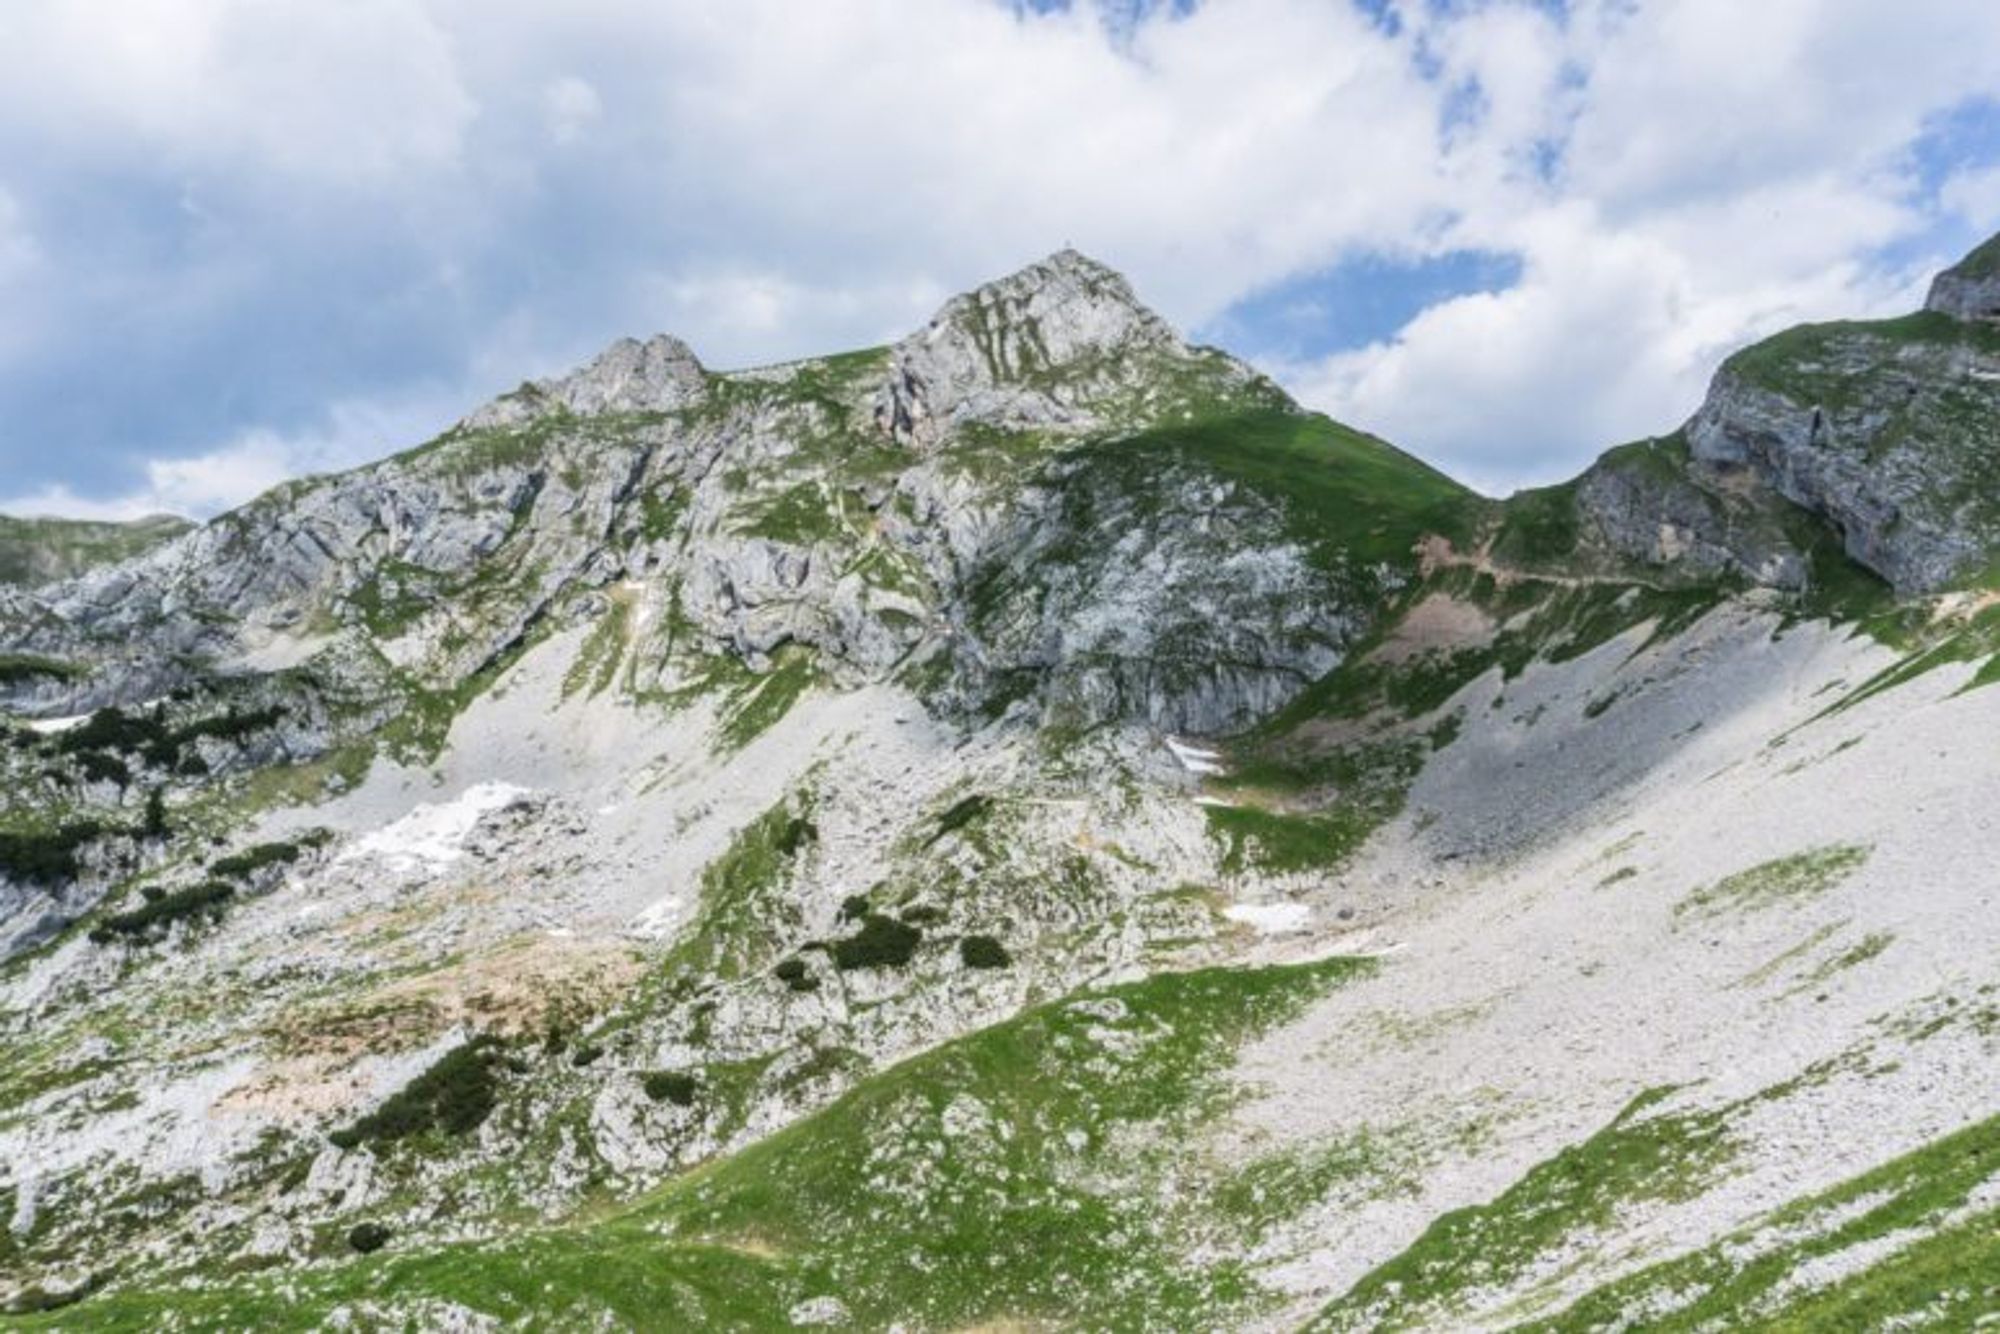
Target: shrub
[[156, 813], [798, 832], [98, 767], [112, 729], [367, 1237], [983, 952], [585, 1054], [244, 864], [454, 1096], [854, 907], [229, 725], [923, 915], [151, 919], [882, 942], [792, 972], [46, 858], [961, 813], [672, 1086]]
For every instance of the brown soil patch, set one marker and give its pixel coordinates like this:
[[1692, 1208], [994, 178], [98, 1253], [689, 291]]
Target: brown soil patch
[[1439, 623], [515, 990]]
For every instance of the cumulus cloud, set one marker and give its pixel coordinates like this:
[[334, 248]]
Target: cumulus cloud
[[570, 105], [250, 220], [1717, 172], [245, 467]]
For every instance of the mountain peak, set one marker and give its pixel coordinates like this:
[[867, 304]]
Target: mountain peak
[[1043, 347], [1087, 302], [1970, 289], [658, 375]]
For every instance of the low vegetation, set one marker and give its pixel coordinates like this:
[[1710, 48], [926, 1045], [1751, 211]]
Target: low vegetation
[[983, 952], [743, 916], [47, 857], [453, 1097], [1641, 1155], [153, 919], [882, 942], [1801, 875], [1914, 1243], [674, 1086]]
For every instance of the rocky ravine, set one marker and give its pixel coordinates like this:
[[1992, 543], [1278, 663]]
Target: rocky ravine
[[1024, 825]]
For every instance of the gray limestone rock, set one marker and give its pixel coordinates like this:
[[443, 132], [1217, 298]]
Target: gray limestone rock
[[1970, 289]]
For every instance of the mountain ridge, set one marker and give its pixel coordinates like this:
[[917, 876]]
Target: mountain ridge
[[1020, 825]]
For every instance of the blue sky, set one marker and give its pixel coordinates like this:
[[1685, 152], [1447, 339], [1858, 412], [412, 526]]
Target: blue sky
[[240, 241]]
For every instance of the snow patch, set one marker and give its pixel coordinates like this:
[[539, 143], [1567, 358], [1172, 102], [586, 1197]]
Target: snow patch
[[1270, 919], [433, 835], [1194, 759]]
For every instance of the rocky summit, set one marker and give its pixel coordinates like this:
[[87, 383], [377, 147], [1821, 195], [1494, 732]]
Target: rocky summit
[[1023, 828]]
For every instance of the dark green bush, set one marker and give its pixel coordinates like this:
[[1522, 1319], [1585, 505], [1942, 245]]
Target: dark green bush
[[853, 907], [922, 915], [960, 814], [229, 725], [366, 1237], [983, 952], [454, 1096], [156, 813], [585, 1054], [244, 864], [797, 832], [46, 858], [112, 729], [882, 942], [150, 920], [97, 767], [672, 1086], [793, 973]]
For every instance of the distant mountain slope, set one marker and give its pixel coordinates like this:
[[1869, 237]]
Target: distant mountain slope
[[43, 551]]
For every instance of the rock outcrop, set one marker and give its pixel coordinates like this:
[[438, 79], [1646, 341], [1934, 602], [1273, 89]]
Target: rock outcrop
[[661, 374], [1970, 289], [1651, 505], [1060, 346], [1886, 431]]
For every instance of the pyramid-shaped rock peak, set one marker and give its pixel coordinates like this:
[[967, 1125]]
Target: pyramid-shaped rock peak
[[1970, 289], [1046, 315], [658, 375], [1032, 349]]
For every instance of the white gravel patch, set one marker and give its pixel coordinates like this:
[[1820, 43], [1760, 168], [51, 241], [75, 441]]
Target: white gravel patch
[[1195, 759], [433, 836], [1270, 919]]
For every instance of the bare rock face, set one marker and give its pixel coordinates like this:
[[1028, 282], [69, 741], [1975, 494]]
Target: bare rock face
[[1177, 599], [1884, 430], [1034, 350], [1970, 289], [661, 374], [1650, 504], [848, 506]]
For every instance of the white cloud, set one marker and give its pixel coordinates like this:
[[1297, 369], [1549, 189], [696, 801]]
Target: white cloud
[[18, 251], [357, 93], [207, 483], [1974, 196], [570, 105], [771, 179], [1729, 170]]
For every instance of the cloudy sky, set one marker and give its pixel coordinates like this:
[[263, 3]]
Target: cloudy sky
[[243, 239]]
